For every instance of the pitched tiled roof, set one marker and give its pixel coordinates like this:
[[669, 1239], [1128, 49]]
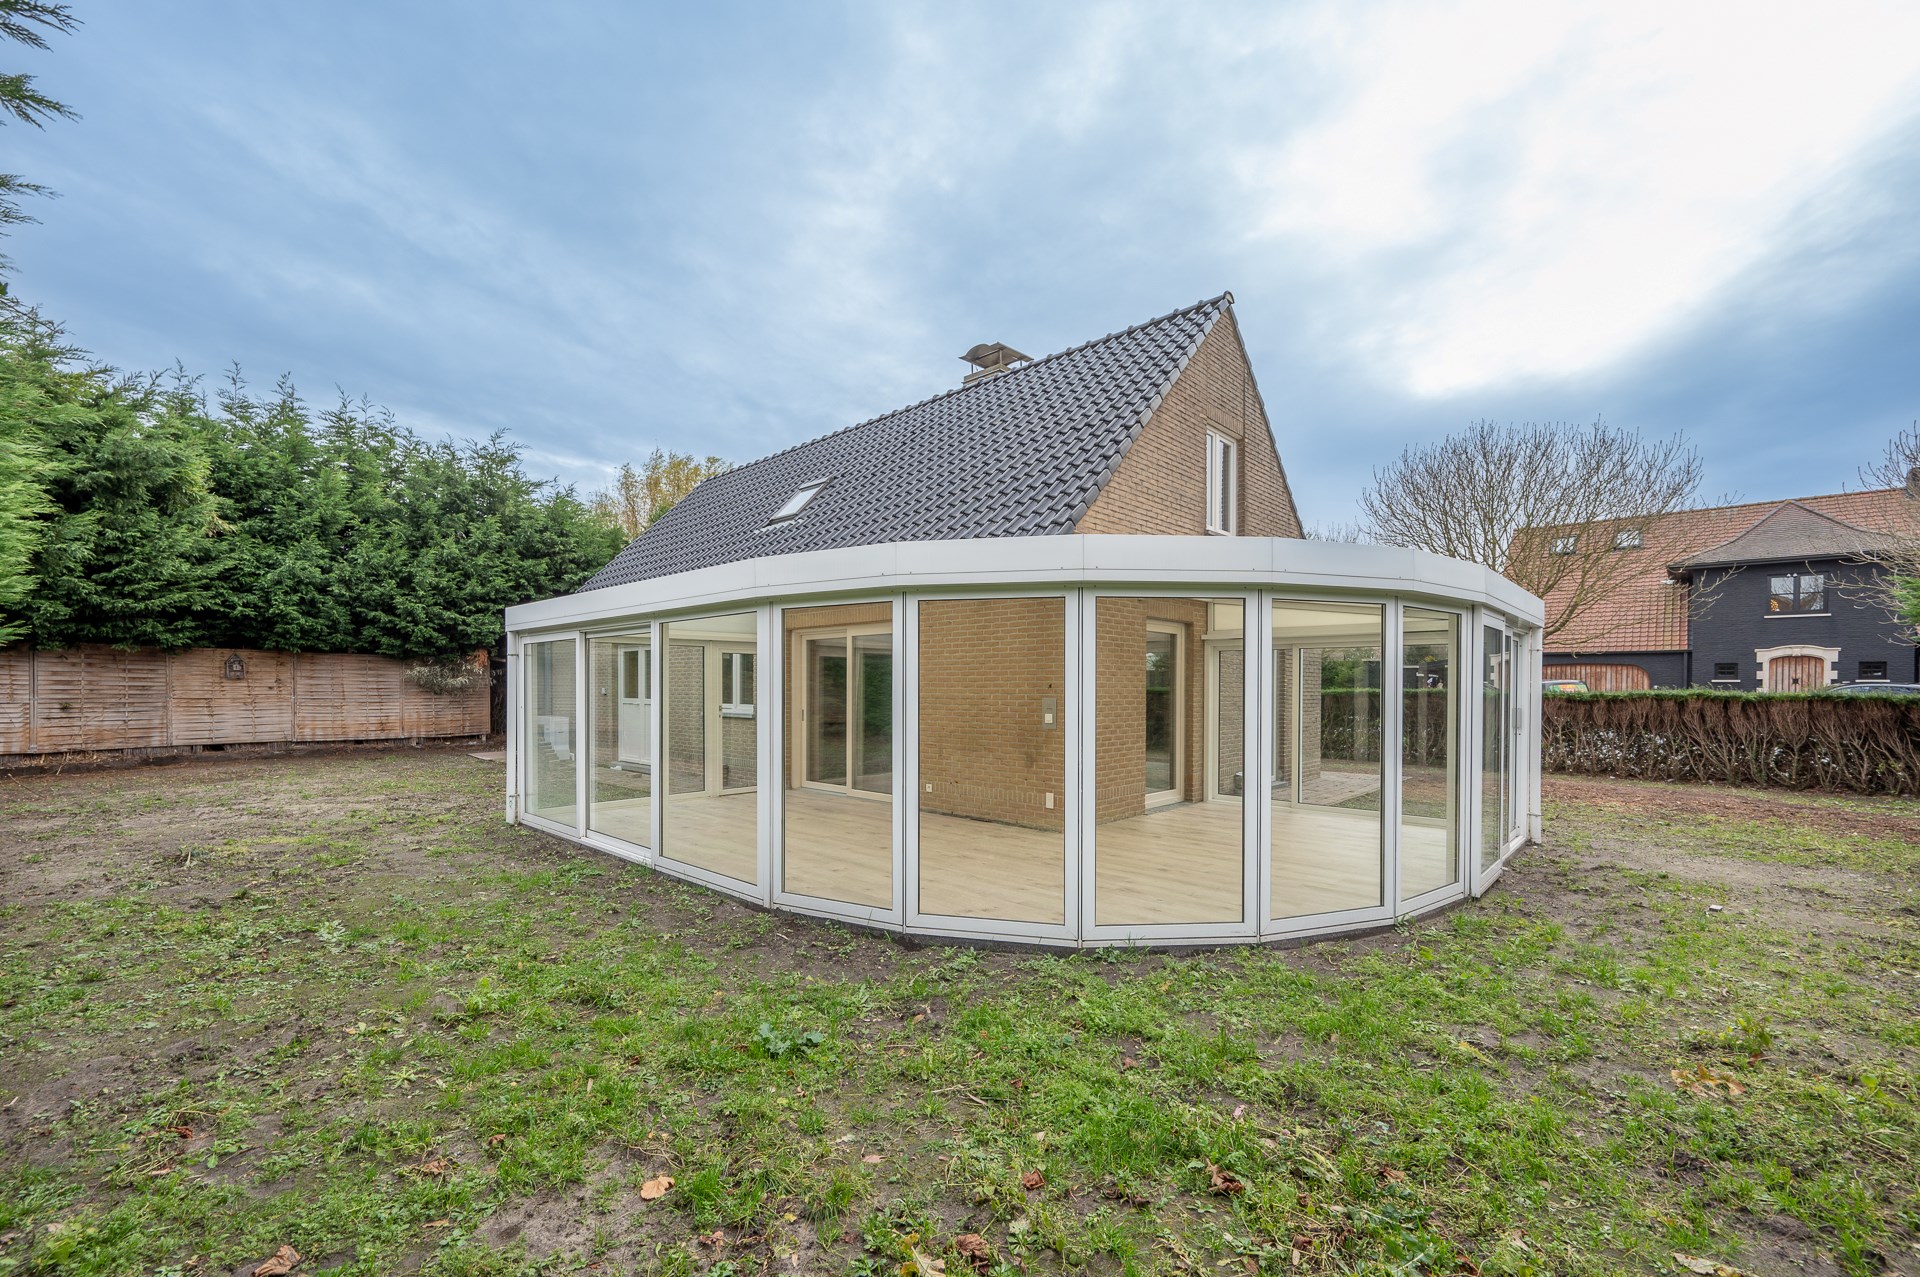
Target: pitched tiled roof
[[1790, 532], [1023, 453], [1646, 611]]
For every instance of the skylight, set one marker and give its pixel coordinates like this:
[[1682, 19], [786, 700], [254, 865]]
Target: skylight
[[798, 501]]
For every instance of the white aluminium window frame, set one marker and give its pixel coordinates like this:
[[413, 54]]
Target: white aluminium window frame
[[1078, 571], [1223, 485], [739, 681]]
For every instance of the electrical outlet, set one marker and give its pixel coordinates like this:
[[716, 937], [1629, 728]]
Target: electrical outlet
[[1049, 802], [929, 788]]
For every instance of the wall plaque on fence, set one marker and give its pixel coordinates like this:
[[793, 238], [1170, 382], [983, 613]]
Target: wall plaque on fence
[[236, 667]]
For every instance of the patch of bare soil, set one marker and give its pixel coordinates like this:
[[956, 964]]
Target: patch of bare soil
[[1655, 799]]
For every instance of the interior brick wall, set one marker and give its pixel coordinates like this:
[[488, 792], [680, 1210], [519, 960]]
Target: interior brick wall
[[686, 715], [985, 667], [1161, 484]]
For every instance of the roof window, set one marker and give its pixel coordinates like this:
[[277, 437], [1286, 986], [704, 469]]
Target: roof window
[[798, 501], [1627, 539]]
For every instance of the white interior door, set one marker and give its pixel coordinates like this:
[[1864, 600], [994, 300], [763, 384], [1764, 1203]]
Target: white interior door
[[635, 726]]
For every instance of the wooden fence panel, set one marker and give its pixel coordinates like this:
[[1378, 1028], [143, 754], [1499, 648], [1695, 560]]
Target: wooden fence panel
[[91, 699], [98, 698], [209, 708], [16, 700], [343, 697]]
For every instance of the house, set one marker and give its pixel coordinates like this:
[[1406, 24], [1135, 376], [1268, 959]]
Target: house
[[1763, 596], [1010, 663]]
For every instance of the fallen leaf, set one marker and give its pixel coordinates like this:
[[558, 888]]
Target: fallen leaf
[[923, 1264], [716, 1239], [281, 1264], [873, 1159], [438, 1223], [656, 1188], [1392, 1175], [1708, 1267], [1128, 1062], [974, 1248], [162, 1170], [1239, 1111], [1032, 1180], [1223, 1183], [434, 1166], [1704, 1081], [495, 1139]]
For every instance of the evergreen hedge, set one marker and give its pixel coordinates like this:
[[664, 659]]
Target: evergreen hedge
[[140, 512]]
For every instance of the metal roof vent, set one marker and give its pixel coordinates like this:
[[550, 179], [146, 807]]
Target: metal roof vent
[[990, 359]]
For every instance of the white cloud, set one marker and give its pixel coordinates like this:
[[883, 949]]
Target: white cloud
[[1507, 190]]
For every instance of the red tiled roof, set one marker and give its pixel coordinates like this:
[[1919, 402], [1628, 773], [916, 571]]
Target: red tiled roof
[[1646, 610]]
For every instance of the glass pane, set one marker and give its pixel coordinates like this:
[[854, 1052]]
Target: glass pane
[[993, 726], [621, 775], [1327, 847], [1161, 682], [1429, 802], [547, 742], [1168, 844], [872, 747], [838, 802], [710, 819], [1495, 688], [826, 713]]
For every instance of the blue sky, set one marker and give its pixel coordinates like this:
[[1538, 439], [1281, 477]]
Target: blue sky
[[726, 228]]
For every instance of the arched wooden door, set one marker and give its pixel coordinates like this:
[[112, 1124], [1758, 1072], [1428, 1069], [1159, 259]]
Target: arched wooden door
[[1796, 673]]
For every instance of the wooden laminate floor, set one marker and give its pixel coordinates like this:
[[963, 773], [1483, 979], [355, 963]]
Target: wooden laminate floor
[[1174, 865]]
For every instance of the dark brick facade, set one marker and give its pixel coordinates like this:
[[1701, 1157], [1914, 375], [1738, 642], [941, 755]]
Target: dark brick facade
[[1730, 623]]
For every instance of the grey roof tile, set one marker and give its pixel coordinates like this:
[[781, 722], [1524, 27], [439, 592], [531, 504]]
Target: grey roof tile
[[1020, 454], [1791, 532]]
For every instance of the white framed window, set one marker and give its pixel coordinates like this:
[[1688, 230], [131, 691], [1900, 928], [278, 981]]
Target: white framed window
[[1566, 545], [1627, 539], [636, 675], [736, 684], [1223, 485], [798, 501]]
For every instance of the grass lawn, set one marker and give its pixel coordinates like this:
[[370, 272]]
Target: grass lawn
[[334, 1003]]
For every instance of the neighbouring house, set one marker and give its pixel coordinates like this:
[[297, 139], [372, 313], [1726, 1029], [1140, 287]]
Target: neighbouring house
[[1042, 658], [1763, 596]]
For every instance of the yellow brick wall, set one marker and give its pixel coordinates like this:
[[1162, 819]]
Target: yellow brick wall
[[1161, 485], [985, 667]]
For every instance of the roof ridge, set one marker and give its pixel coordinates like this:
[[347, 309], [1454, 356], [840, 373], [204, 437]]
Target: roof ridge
[[951, 391]]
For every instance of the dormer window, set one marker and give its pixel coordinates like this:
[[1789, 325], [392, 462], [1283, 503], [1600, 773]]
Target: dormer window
[[1629, 539], [798, 501], [1223, 485], [1566, 545]]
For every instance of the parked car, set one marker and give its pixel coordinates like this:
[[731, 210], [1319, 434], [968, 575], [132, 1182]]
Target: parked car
[[1563, 685], [1876, 689]]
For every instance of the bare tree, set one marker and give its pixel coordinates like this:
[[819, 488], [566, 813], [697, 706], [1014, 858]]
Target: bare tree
[[637, 498], [1548, 505], [1896, 587]]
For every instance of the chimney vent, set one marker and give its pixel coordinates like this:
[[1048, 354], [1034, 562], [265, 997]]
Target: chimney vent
[[990, 359], [1913, 482]]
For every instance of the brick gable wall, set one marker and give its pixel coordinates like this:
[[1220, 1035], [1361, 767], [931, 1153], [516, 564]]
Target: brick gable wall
[[1161, 485]]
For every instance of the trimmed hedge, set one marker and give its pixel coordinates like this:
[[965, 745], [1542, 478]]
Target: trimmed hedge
[[1788, 740]]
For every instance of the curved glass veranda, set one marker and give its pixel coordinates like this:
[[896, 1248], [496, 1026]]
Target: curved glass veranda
[[1059, 740]]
